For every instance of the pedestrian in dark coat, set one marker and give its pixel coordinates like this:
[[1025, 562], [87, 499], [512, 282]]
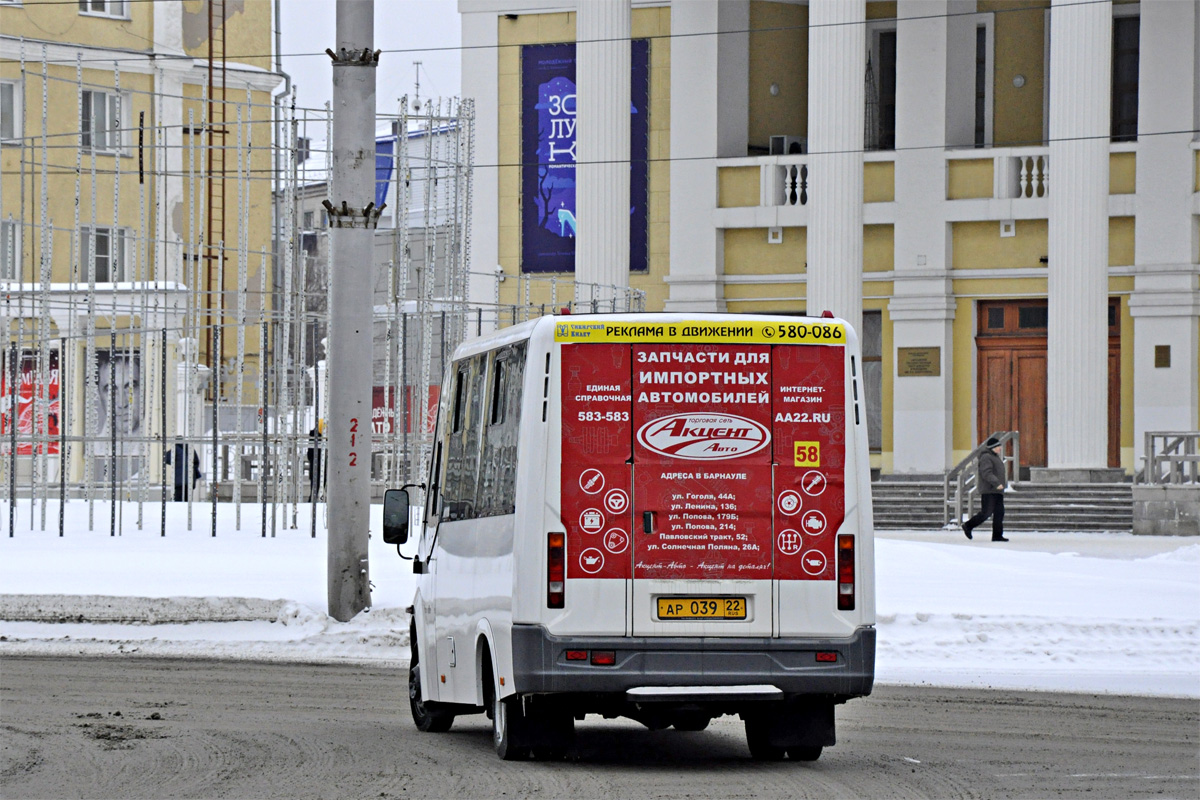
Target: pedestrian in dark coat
[[179, 459], [313, 455], [992, 482]]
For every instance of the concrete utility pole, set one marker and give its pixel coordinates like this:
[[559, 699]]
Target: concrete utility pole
[[352, 219]]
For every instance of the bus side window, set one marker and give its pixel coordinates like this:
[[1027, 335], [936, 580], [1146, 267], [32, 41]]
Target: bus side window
[[462, 455], [498, 462], [435, 474], [460, 387]]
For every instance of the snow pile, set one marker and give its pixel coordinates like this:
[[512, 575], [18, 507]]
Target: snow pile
[[981, 614], [1067, 611]]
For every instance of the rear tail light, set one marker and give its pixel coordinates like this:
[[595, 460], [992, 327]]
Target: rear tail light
[[845, 571], [827, 656], [556, 560], [604, 658], [577, 655]]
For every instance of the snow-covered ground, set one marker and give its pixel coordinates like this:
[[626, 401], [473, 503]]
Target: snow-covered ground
[[1053, 610]]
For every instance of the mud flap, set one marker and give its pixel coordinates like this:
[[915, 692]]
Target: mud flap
[[545, 724], [797, 722]]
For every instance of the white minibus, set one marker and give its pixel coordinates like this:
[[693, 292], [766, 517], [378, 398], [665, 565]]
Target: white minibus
[[665, 517]]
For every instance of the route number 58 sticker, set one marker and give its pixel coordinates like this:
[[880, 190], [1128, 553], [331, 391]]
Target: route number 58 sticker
[[807, 454]]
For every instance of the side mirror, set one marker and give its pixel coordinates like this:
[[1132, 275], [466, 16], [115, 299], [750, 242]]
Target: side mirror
[[395, 516]]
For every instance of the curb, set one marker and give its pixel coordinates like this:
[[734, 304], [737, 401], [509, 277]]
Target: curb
[[144, 610]]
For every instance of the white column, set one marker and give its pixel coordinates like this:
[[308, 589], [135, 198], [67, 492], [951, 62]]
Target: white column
[[602, 78], [1166, 301], [172, 171], [191, 381], [709, 101], [837, 60], [480, 79], [1077, 346], [922, 307]]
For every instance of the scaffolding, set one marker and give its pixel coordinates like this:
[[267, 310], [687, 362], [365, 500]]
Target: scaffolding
[[165, 345]]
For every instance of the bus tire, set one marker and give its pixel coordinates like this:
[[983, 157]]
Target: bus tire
[[426, 720], [508, 719], [692, 722], [758, 738], [804, 753]]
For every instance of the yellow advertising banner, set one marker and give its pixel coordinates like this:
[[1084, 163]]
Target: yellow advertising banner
[[811, 331]]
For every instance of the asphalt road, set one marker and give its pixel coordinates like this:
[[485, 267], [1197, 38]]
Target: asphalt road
[[101, 728]]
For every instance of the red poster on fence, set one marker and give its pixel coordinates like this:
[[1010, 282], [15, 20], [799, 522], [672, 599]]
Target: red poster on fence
[[37, 405], [384, 410]]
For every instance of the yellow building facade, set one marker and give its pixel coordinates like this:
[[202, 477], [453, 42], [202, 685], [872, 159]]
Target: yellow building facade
[[965, 244], [137, 210]]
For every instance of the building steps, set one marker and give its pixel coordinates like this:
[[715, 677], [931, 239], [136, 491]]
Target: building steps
[[905, 505]]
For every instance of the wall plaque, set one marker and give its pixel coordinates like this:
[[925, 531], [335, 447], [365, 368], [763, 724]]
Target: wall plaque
[[919, 362]]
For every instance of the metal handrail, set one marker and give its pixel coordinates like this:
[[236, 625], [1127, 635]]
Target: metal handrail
[[965, 477], [1171, 458]]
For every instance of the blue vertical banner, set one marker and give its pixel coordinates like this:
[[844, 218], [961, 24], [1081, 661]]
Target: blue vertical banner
[[383, 168], [548, 225]]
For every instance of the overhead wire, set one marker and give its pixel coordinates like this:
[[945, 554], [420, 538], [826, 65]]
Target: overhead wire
[[1033, 6]]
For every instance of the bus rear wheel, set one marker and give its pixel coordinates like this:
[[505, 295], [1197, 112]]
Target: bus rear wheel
[[508, 725], [426, 720], [804, 753], [758, 738]]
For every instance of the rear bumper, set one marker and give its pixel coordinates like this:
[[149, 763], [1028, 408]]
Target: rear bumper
[[540, 665]]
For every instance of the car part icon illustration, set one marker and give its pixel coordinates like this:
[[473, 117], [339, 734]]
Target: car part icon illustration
[[616, 540], [813, 562], [591, 481], [813, 483], [790, 542], [616, 501], [790, 502], [591, 520], [813, 522], [591, 561]]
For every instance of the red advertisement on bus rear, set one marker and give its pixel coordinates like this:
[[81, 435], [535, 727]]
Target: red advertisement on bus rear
[[702, 461], [596, 437], [809, 423]]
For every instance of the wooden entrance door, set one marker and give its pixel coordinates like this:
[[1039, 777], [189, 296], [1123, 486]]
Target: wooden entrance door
[[1011, 376]]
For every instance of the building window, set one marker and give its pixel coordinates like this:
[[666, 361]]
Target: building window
[[110, 251], [10, 249], [104, 8], [100, 125], [1033, 317], [308, 243], [872, 376], [10, 112], [1126, 31], [308, 220], [980, 86], [881, 90]]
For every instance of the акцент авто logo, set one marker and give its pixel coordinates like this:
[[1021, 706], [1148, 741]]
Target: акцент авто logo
[[703, 437]]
